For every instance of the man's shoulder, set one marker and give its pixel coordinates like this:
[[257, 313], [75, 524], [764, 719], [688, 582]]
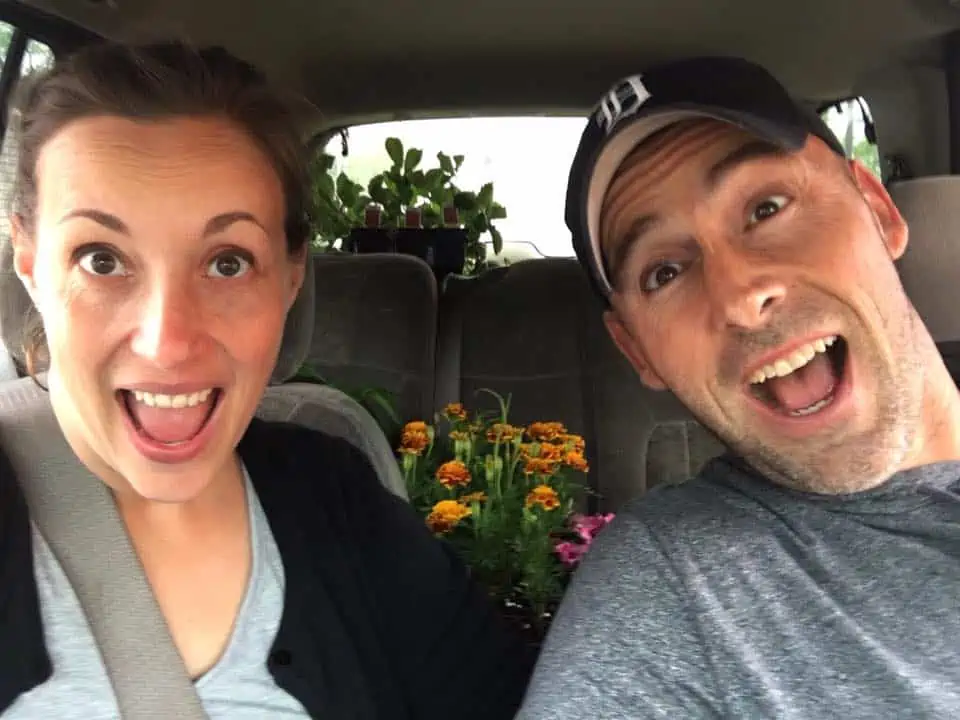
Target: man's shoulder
[[709, 510]]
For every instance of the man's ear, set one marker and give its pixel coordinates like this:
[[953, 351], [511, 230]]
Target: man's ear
[[892, 224], [632, 351], [24, 254]]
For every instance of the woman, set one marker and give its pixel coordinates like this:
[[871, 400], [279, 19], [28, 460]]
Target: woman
[[159, 230]]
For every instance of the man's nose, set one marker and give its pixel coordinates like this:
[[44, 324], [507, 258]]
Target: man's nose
[[170, 326], [744, 290]]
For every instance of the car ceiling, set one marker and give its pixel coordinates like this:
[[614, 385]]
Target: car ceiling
[[360, 60]]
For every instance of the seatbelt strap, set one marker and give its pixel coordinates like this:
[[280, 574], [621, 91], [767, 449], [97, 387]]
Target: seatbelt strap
[[80, 521]]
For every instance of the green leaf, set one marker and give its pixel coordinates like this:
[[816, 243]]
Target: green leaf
[[465, 201], [325, 187], [325, 162], [497, 212], [414, 156], [395, 151], [419, 180], [497, 240], [347, 190], [458, 159], [485, 198], [445, 163], [378, 193]]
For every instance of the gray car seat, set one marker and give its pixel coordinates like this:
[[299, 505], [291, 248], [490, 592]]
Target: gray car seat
[[930, 267], [533, 330]]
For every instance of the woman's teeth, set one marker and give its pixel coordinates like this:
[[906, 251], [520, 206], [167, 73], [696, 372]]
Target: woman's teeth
[[159, 400]]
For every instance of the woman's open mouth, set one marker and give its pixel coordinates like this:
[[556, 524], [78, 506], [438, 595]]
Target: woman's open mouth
[[806, 381], [170, 426]]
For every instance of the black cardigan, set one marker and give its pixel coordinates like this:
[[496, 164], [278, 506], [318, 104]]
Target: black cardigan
[[380, 620]]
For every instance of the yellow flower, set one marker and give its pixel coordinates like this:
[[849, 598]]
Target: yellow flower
[[546, 431], [540, 466], [453, 474], [455, 411], [501, 432], [544, 496], [474, 497], [445, 516], [576, 461]]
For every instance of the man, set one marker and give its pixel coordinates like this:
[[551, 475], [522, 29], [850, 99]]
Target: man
[[814, 571]]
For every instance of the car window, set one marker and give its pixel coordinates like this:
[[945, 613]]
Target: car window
[[851, 122], [526, 158]]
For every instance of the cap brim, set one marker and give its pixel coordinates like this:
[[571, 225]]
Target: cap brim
[[632, 134]]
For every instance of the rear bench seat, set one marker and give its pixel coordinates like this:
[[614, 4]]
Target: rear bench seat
[[930, 267], [534, 330]]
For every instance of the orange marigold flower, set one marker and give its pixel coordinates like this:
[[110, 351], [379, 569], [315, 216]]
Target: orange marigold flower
[[415, 426], [473, 497], [544, 496], [540, 466], [446, 514], [546, 431], [413, 442], [453, 474], [455, 411], [576, 461], [551, 452], [573, 442], [459, 435], [502, 432]]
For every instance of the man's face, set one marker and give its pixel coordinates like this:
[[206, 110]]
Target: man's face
[[759, 287]]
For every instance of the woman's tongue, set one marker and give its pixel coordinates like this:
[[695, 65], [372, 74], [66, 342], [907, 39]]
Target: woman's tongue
[[170, 425], [804, 387]]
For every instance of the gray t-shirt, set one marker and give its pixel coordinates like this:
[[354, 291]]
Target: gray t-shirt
[[727, 597], [238, 687]]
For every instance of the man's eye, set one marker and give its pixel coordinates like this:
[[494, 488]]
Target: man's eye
[[767, 208], [102, 262], [229, 265], [660, 275]]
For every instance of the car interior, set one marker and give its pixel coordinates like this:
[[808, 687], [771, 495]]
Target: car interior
[[530, 328]]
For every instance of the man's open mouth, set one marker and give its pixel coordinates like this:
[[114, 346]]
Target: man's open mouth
[[805, 381], [170, 420]]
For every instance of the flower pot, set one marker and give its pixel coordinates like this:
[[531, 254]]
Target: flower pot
[[443, 249]]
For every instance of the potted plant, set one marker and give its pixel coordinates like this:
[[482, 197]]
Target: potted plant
[[504, 497], [406, 208]]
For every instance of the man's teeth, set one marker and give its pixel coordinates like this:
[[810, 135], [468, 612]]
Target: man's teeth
[[794, 361], [158, 400]]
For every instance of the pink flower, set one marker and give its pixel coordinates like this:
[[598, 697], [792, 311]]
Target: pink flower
[[570, 553], [587, 526]]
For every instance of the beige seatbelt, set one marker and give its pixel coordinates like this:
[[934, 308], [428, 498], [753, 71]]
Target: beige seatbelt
[[77, 515]]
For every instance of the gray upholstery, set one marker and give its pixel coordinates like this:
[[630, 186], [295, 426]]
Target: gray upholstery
[[375, 326], [533, 330], [930, 267], [328, 409]]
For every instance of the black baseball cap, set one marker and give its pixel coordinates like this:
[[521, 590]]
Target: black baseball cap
[[728, 89]]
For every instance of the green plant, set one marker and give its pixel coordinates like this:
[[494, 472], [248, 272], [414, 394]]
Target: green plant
[[340, 202], [504, 497]]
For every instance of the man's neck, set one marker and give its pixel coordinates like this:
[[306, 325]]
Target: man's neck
[[939, 436]]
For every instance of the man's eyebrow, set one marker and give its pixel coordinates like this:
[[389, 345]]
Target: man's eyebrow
[[632, 238], [753, 150], [216, 224]]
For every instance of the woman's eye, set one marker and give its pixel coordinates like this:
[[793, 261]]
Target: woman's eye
[[767, 208], [102, 262], [229, 265], [660, 275]]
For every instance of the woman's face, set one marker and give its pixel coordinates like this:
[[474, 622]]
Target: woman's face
[[159, 265]]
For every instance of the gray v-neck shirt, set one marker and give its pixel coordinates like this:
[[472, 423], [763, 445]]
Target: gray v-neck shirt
[[728, 597], [238, 687]]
